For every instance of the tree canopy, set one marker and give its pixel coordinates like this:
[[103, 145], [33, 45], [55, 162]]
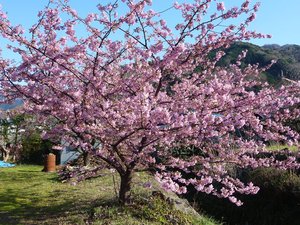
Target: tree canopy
[[141, 87]]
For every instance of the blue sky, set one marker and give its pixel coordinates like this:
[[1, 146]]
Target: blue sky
[[279, 18]]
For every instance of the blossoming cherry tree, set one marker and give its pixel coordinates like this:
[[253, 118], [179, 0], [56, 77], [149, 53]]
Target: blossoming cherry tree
[[141, 84]]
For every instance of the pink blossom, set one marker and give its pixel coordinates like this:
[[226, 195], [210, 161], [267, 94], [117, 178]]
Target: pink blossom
[[220, 6], [57, 147], [177, 5]]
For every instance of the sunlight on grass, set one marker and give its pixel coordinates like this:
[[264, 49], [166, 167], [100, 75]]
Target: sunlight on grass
[[29, 196], [275, 147]]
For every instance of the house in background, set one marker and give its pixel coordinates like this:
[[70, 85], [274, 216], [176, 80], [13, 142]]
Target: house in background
[[66, 155]]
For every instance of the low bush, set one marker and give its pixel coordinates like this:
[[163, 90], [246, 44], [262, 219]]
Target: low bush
[[34, 149], [277, 202], [275, 181]]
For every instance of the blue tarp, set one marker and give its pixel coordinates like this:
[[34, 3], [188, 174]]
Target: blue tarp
[[5, 164]]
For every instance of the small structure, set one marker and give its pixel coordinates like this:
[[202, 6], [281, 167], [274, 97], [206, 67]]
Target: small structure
[[63, 152], [68, 154]]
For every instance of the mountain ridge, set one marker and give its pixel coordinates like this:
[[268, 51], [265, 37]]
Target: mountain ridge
[[287, 57]]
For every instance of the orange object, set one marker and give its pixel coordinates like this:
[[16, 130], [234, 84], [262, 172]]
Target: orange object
[[50, 163]]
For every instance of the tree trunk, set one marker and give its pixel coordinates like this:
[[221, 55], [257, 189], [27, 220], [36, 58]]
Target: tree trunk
[[5, 153], [86, 158], [125, 187]]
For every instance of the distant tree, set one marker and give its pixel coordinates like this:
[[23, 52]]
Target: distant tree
[[10, 131], [112, 85]]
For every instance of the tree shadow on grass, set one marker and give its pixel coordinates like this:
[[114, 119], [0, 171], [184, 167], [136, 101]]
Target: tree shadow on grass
[[21, 175], [25, 208], [38, 198], [29, 171]]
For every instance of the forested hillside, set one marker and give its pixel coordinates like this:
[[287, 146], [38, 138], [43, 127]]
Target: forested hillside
[[287, 56]]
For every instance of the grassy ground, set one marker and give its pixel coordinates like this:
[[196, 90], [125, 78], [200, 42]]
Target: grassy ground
[[29, 196], [275, 147]]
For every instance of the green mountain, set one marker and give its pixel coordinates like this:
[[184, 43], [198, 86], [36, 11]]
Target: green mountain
[[287, 57]]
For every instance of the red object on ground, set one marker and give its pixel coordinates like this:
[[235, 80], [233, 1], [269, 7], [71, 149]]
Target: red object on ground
[[50, 163]]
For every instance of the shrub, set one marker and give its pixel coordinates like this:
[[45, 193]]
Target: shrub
[[277, 202], [34, 149]]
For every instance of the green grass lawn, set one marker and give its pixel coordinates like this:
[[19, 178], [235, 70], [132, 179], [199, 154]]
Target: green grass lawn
[[275, 147], [29, 196]]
